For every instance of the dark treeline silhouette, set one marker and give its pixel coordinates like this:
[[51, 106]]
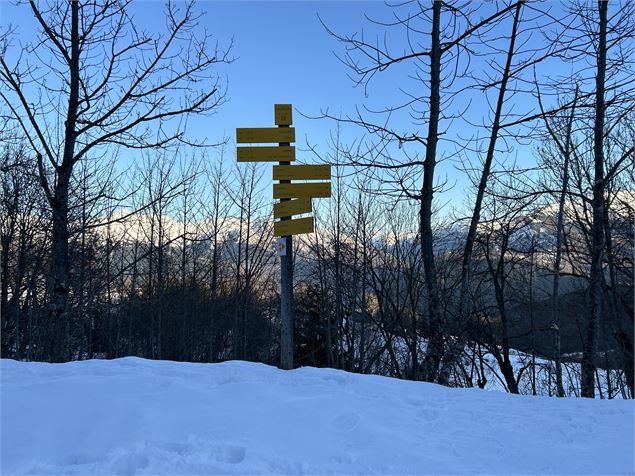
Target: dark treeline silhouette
[[526, 284]]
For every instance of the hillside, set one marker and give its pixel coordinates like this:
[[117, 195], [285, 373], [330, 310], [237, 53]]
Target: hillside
[[135, 416]]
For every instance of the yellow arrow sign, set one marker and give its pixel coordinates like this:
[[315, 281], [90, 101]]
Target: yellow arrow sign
[[265, 134], [265, 154], [292, 207], [297, 190], [301, 172], [293, 227], [283, 114]]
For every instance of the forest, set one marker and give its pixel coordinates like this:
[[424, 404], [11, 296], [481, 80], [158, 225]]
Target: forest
[[523, 283]]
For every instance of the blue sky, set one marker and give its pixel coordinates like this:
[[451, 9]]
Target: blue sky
[[284, 55]]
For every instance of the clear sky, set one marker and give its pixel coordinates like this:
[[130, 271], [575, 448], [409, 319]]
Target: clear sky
[[284, 55]]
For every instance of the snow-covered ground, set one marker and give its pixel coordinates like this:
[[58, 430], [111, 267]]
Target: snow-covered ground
[[135, 416]]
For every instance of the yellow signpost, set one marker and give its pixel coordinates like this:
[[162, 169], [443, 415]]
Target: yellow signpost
[[284, 154], [265, 154], [292, 207], [293, 227], [301, 172], [265, 134], [297, 190]]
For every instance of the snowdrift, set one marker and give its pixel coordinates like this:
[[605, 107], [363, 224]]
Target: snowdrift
[[134, 416]]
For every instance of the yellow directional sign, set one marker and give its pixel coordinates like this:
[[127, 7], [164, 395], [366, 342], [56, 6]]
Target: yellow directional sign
[[301, 172], [293, 227], [265, 154], [292, 207], [284, 114], [265, 134], [297, 190]]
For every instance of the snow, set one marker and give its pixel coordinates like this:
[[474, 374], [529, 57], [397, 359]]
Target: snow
[[135, 416]]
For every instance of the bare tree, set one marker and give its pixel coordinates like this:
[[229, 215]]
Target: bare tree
[[565, 150], [507, 74], [23, 245], [445, 64], [106, 85], [605, 40]]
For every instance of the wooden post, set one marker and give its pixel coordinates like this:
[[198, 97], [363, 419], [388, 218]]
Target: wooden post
[[286, 274]]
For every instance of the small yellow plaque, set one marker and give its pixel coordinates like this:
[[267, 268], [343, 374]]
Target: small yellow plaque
[[283, 114]]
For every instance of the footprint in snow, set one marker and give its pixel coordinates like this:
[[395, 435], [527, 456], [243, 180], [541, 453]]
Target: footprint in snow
[[229, 454], [345, 421], [428, 414], [345, 458], [415, 402], [129, 464], [77, 459], [180, 449]]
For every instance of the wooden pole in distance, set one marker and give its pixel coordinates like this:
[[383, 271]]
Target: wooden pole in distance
[[283, 118]]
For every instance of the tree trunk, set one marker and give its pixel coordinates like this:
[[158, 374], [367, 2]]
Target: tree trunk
[[59, 275], [555, 311], [60, 265], [466, 266], [597, 247], [432, 360]]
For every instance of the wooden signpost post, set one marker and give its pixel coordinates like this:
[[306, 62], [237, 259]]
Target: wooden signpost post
[[295, 199]]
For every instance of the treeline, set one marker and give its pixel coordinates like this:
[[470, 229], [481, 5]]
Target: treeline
[[525, 285], [205, 288]]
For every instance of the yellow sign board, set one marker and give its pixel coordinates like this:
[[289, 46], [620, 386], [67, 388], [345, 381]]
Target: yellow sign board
[[297, 190], [292, 207], [293, 227], [301, 172], [265, 134], [284, 114], [265, 154]]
